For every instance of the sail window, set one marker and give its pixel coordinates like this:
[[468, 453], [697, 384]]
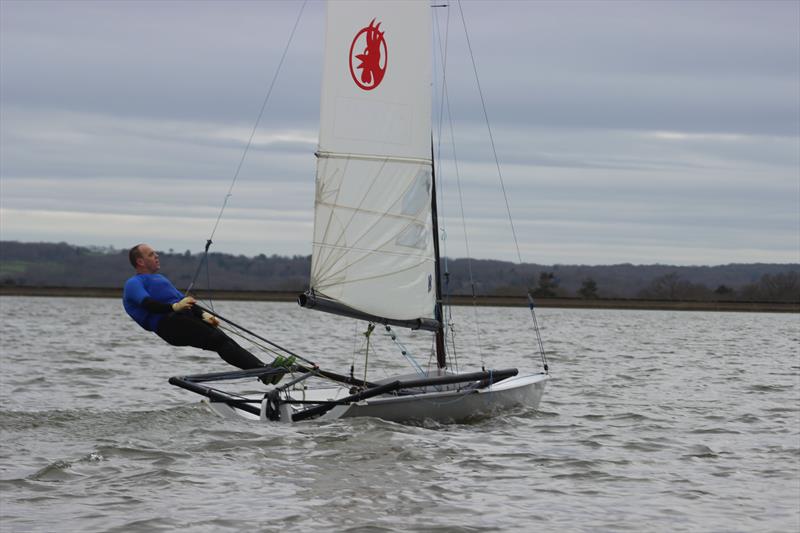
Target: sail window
[[414, 236], [418, 196]]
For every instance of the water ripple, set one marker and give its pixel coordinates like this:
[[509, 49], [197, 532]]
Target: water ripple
[[654, 418]]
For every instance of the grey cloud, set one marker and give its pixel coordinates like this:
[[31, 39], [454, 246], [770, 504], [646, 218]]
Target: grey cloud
[[627, 131], [176, 60], [691, 66]]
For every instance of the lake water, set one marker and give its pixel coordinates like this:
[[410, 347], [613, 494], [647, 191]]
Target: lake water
[[657, 421]]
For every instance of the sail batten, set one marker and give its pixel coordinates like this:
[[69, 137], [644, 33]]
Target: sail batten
[[372, 249]]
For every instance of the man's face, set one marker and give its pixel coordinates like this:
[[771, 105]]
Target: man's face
[[149, 262]]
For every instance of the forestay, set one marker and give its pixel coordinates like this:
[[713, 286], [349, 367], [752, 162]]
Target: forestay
[[373, 241]]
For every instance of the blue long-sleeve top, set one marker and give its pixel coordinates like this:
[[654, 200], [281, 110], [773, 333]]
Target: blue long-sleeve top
[[148, 297]]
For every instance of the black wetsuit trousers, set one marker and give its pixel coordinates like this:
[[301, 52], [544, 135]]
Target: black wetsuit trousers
[[185, 329]]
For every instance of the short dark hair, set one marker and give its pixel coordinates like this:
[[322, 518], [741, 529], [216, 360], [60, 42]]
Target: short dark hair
[[134, 254]]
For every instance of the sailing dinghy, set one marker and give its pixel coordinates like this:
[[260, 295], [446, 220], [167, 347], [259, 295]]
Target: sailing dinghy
[[375, 249]]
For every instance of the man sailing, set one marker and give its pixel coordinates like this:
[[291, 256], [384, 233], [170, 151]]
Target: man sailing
[[156, 305]]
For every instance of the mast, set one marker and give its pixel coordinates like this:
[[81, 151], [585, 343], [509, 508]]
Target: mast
[[441, 356]]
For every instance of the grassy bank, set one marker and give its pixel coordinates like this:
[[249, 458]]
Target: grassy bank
[[502, 301]]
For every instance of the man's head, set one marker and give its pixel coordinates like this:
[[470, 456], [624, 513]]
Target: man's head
[[144, 259]]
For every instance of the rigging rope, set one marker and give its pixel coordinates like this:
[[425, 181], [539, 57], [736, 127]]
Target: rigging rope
[[259, 337], [247, 146], [502, 183], [489, 129], [237, 333], [445, 107], [355, 338], [367, 334], [448, 319], [403, 350], [443, 52]]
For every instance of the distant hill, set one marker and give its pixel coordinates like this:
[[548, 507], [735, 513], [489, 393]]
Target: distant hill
[[66, 265]]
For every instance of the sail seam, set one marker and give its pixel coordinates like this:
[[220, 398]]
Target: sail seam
[[369, 157], [346, 226], [370, 252], [322, 286], [378, 249], [327, 270], [401, 216], [322, 263]]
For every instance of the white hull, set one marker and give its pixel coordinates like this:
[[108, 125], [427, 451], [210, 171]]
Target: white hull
[[446, 406]]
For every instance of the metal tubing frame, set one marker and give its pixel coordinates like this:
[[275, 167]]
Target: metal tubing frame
[[190, 383]]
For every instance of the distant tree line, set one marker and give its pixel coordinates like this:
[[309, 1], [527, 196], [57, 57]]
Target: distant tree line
[[66, 265], [780, 287]]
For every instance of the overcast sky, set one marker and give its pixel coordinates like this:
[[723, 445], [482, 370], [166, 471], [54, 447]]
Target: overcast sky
[[641, 132]]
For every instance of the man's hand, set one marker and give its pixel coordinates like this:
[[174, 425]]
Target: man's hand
[[210, 319], [186, 303]]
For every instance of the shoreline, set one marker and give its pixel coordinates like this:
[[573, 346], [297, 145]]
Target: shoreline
[[488, 301]]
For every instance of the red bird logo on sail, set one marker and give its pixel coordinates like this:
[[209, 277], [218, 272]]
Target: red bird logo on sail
[[373, 58]]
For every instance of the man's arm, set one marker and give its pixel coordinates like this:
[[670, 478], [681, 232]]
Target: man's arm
[[152, 306]]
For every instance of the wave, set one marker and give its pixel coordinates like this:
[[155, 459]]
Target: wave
[[76, 419]]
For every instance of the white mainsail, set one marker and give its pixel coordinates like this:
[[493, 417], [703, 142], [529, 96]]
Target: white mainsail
[[373, 241]]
